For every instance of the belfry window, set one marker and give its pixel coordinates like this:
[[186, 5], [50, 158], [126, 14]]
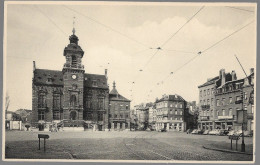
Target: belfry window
[[73, 61]]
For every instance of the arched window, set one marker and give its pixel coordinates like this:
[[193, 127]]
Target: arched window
[[73, 100], [73, 60]]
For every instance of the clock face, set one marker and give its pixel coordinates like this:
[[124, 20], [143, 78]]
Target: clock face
[[74, 76]]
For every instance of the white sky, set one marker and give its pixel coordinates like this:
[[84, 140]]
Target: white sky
[[32, 35]]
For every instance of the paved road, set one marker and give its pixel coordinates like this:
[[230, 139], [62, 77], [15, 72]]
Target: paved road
[[122, 146]]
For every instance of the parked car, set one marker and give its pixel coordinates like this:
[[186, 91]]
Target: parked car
[[200, 132], [223, 132], [195, 131], [189, 131], [232, 132], [214, 132], [206, 132], [238, 133], [163, 130]]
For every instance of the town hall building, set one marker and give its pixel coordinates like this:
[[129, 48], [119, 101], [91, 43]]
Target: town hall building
[[71, 98]]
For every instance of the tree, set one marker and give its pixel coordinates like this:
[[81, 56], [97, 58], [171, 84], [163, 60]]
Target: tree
[[7, 102]]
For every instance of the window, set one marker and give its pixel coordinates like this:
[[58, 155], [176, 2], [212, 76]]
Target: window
[[217, 112], [245, 107], [200, 93], [238, 98], [180, 112], [208, 102], [230, 100], [204, 92], [212, 101], [100, 116], [208, 92], [230, 112], [73, 100], [100, 103], [126, 107], [223, 112], [56, 101], [204, 102], [245, 95], [89, 116], [212, 91], [217, 102], [176, 112], [223, 101], [253, 108], [115, 115], [88, 103], [176, 118], [176, 105], [180, 105], [56, 115], [126, 115], [181, 118], [42, 100], [41, 115]]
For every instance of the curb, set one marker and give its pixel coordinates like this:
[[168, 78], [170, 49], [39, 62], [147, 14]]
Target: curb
[[224, 150]]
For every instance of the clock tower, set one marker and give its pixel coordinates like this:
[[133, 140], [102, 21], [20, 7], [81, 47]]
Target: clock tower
[[73, 78]]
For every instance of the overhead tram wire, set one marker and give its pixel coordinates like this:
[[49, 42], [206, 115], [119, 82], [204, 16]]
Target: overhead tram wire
[[182, 27], [106, 26], [160, 47], [38, 9], [200, 52], [236, 8]]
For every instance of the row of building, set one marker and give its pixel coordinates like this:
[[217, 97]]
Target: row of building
[[225, 100], [169, 113], [73, 99]]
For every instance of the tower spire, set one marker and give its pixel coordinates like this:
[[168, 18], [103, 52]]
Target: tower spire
[[73, 30]]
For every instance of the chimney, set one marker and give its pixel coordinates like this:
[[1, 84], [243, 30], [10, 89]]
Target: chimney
[[251, 70], [223, 77], [106, 73], [234, 75], [34, 66]]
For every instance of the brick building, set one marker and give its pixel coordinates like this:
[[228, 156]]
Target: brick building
[[119, 110], [171, 110], [70, 97]]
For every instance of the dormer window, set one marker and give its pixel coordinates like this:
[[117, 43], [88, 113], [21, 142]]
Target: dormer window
[[94, 83]]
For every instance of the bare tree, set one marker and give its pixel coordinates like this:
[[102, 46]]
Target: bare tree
[[7, 102]]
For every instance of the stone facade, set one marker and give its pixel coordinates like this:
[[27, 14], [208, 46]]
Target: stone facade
[[171, 110]]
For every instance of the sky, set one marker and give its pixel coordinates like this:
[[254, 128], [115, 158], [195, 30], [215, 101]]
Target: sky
[[123, 37]]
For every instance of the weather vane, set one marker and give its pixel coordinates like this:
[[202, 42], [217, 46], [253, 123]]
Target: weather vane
[[73, 31]]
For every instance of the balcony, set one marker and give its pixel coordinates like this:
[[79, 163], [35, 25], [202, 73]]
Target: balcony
[[238, 102], [225, 117], [250, 116], [204, 107], [76, 66], [204, 118]]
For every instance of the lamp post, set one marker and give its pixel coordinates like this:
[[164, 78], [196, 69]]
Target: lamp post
[[243, 146]]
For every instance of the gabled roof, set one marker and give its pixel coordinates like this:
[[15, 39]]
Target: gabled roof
[[209, 82]]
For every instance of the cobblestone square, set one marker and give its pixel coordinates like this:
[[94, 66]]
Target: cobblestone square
[[124, 145]]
